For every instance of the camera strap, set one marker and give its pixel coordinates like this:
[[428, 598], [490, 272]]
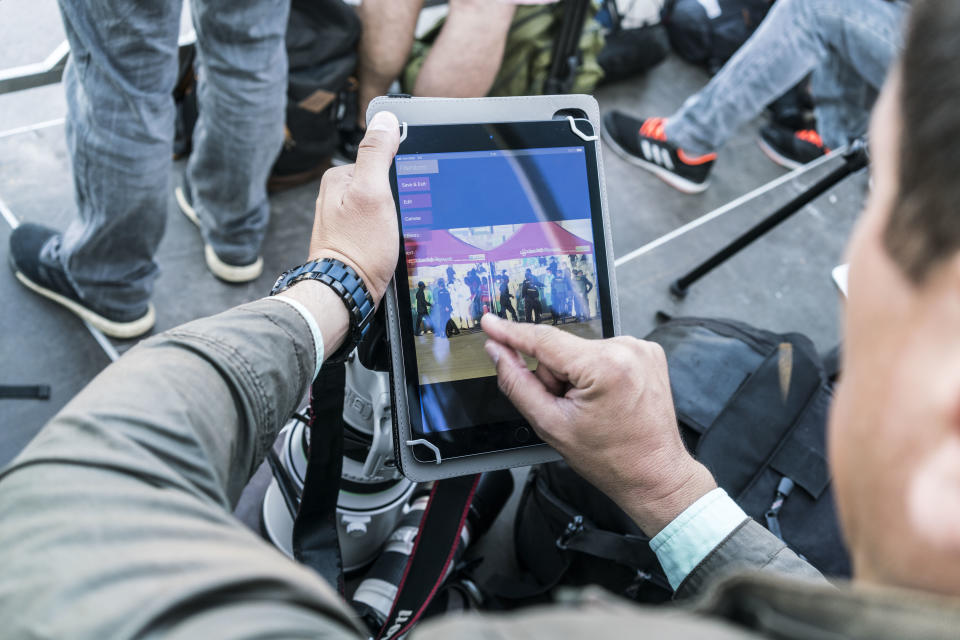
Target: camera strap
[[315, 541], [433, 553]]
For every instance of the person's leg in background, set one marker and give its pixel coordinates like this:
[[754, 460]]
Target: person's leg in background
[[388, 29], [463, 61], [796, 37], [242, 94], [119, 130], [844, 89], [842, 104], [466, 56]]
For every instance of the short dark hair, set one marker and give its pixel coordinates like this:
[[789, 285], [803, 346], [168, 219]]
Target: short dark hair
[[924, 226]]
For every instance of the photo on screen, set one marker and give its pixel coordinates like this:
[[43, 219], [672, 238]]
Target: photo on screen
[[539, 272], [504, 231]]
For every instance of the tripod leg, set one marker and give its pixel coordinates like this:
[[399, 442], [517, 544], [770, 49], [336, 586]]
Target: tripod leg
[[564, 57], [855, 160]]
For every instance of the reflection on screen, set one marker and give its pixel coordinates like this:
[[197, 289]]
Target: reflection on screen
[[505, 232]]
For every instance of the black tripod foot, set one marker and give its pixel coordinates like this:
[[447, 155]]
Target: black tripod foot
[[677, 290]]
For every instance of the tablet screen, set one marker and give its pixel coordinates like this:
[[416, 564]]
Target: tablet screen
[[507, 230]]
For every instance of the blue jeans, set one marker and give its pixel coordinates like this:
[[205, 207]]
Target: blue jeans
[[120, 126], [847, 44]]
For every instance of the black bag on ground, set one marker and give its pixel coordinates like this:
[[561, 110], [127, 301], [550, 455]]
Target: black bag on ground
[[322, 39], [709, 37], [752, 406], [630, 52], [321, 43]]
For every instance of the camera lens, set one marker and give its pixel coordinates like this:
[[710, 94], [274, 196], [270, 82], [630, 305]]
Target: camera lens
[[375, 595]]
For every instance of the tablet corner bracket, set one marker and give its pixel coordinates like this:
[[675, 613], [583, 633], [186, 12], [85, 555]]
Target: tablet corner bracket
[[573, 126], [426, 443]]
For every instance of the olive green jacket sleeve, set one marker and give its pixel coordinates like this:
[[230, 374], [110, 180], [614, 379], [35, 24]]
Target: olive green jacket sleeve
[[115, 521], [749, 548]]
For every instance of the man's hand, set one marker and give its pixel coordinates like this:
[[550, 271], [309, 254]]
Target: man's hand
[[356, 221], [606, 407]]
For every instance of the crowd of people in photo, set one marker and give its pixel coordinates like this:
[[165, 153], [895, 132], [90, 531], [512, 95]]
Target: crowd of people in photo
[[558, 289]]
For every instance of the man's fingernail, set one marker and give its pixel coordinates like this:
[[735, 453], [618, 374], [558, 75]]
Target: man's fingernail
[[492, 351], [383, 121]]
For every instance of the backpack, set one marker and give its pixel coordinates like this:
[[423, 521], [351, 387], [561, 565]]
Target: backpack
[[752, 406], [709, 32], [322, 38], [321, 42], [631, 52], [528, 52]]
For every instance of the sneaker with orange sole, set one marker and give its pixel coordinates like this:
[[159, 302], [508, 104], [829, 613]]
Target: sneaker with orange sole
[[644, 143], [791, 149]]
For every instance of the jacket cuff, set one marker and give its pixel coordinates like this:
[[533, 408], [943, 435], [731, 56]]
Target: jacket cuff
[[686, 541], [314, 329]]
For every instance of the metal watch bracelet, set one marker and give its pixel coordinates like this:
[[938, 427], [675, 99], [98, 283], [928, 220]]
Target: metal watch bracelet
[[349, 287]]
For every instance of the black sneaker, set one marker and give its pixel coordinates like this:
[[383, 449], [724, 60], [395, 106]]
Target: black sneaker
[[791, 149], [35, 264], [644, 143]]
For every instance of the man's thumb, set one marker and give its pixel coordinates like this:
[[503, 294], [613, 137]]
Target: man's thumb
[[377, 150]]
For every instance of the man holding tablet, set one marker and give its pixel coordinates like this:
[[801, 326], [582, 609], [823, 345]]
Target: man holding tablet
[[116, 523]]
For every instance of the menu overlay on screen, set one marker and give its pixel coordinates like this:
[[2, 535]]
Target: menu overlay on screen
[[508, 231]]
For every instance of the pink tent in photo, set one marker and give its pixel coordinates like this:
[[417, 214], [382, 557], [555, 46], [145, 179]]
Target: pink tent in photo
[[441, 248], [539, 239]]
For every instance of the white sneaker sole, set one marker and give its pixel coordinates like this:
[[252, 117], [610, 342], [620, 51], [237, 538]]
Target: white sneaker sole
[[111, 328], [219, 268], [677, 182], [185, 207], [229, 272]]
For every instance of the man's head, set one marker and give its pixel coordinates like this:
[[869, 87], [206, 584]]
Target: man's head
[[895, 425], [421, 285], [441, 283]]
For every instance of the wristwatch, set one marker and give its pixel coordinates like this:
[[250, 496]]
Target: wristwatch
[[348, 285]]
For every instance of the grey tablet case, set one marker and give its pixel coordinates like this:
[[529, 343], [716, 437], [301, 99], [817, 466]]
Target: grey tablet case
[[464, 111]]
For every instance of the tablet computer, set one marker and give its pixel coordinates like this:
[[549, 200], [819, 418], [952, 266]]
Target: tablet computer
[[502, 218]]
